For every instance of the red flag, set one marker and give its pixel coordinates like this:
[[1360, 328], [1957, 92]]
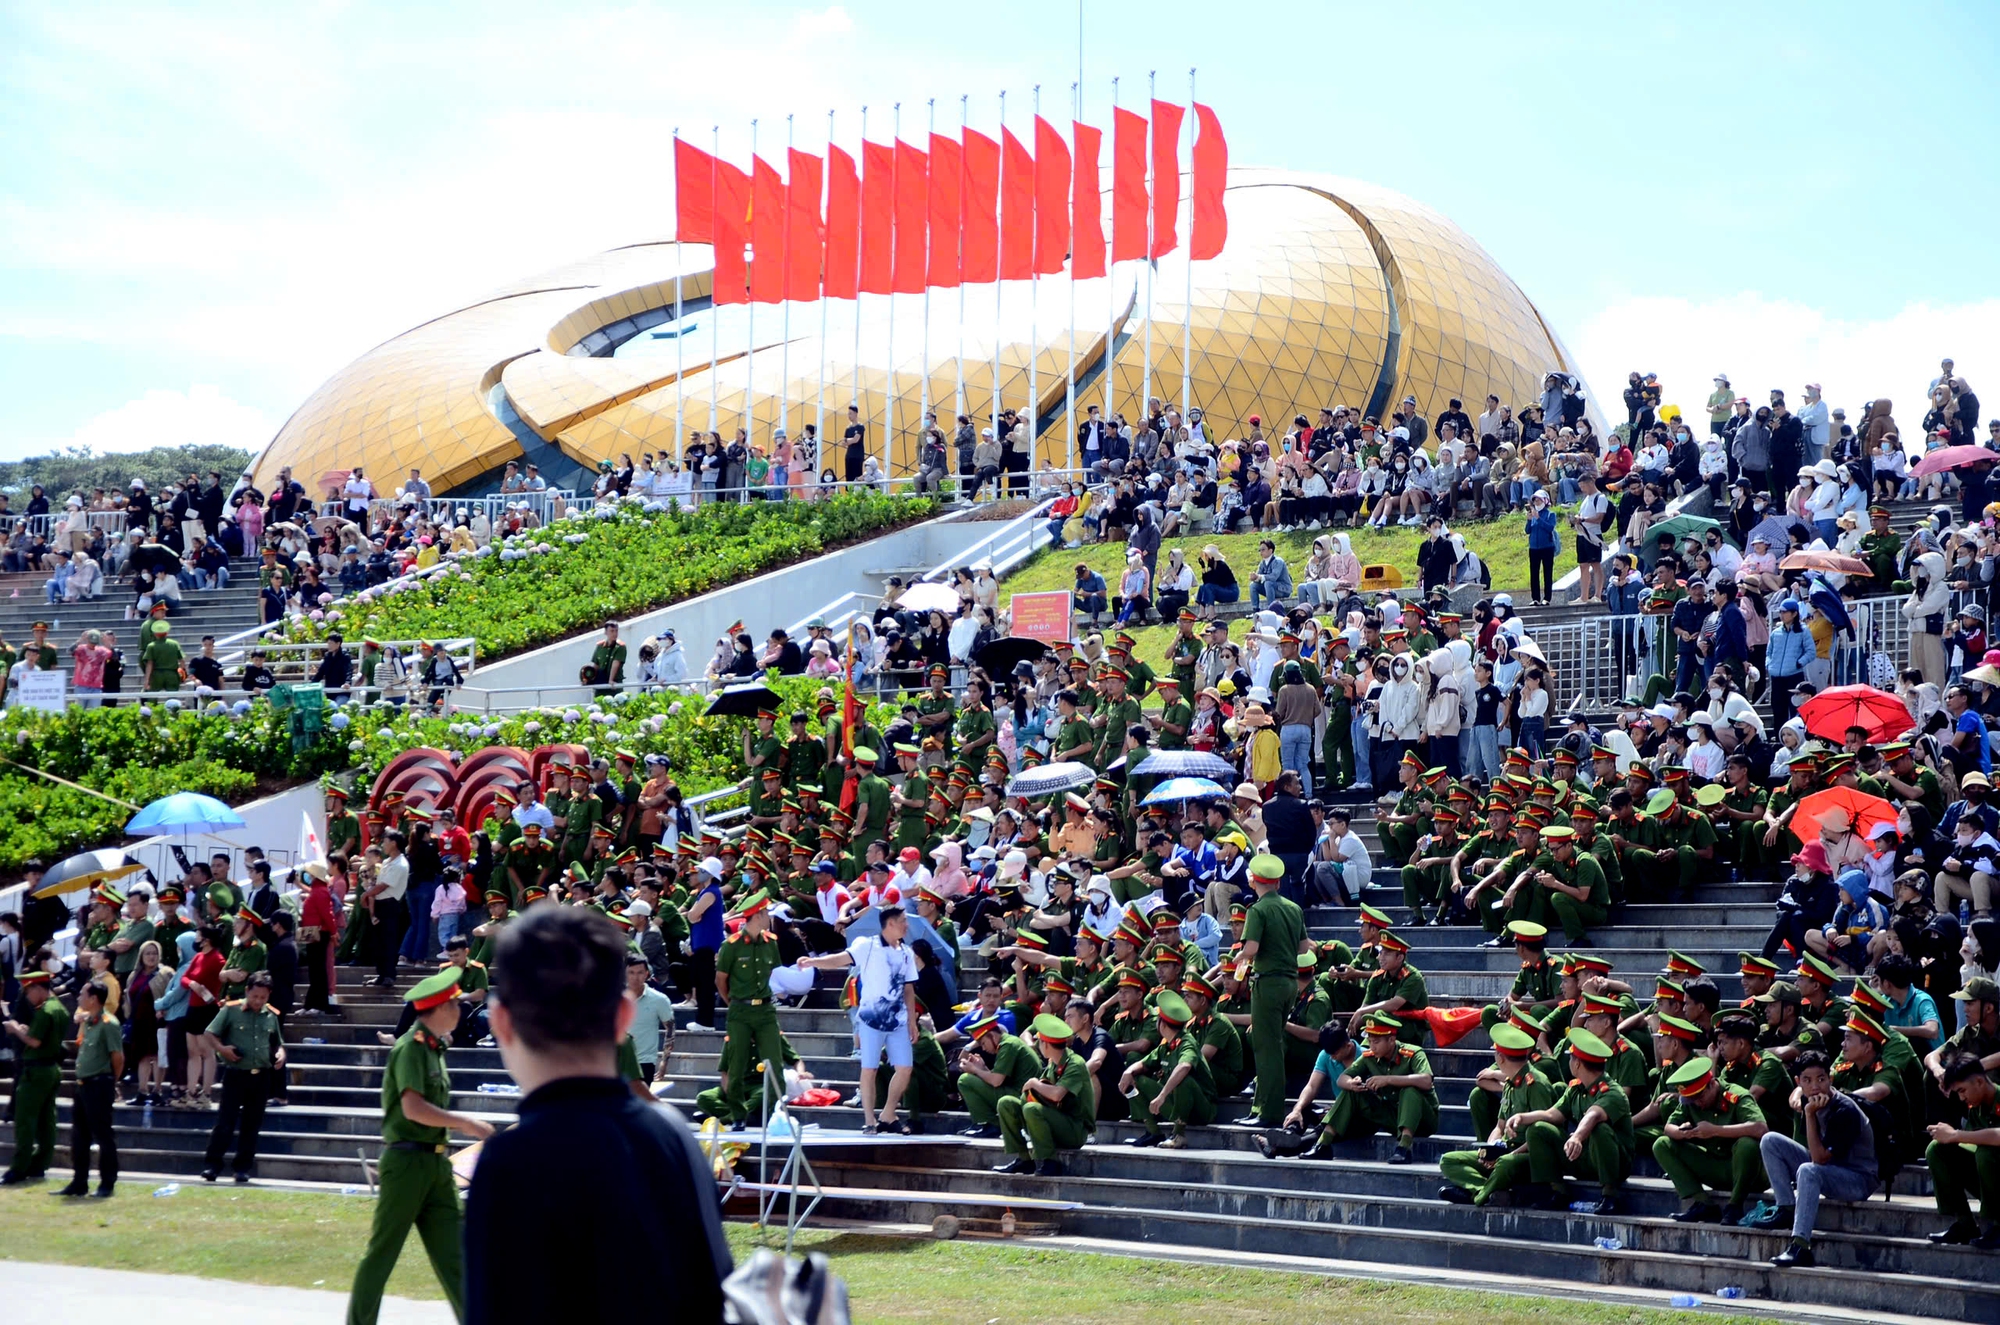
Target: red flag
[[694, 193], [946, 167], [1051, 198], [979, 238], [1087, 206], [804, 235], [1017, 210], [767, 233], [732, 233], [1128, 185], [1166, 176], [1210, 226], [912, 212], [843, 223], [878, 204]]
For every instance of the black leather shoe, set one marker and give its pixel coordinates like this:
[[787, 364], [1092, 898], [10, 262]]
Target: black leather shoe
[[209, 1175], [1773, 1216], [103, 1192], [1960, 1234], [1145, 1139], [1019, 1164], [1732, 1215], [1701, 1212], [242, 1180], [12, 1179], [1403, 1155], [1603, 1205], [1796, 1254], [982, 1132], [74, 1189], [1453, 1194], [1050, 1168], [1989, 1240]]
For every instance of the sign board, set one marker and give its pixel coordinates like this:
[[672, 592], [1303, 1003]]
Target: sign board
[[42, 690], [677, 487], [1042, 616]]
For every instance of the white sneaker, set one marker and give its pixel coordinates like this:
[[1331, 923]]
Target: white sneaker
[[1312, 524], [697, 1026]]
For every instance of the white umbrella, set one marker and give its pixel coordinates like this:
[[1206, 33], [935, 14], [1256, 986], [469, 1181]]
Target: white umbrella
[[929, 596]]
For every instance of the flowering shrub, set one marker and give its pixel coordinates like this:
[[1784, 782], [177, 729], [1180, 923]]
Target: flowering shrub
[[574, 574]]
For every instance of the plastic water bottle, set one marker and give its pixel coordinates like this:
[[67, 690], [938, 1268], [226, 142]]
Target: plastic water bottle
[[146, 1116], [171, 1189], [1683, 1300], [313, 1039], [1582, 1207], [1732, 1292], [1608, 1244], [353, 1191]]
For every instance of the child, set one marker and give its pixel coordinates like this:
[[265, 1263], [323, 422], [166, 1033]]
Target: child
[[1714, 466], [448, 908], [1486, 701], [1856, 921]]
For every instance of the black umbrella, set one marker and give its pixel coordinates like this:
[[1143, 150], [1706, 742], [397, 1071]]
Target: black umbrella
[[999, 657], [742, 701], [87, 871]]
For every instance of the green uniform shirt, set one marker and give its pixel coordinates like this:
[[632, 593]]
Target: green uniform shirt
[[1277, 926], [1539, 983], [1119, 716], [1408, 985], [805, 760], [245, 957], [606, 654], [1015, 1062], [974, 722], [1579, 1099], [1166, 1056], [1527, 1091], [164, 657], [929, 705], [249, 1033], [1766, 1071], [1072, 732], [1126, 1027], [1180, 714], [1407, 1061], [137, 932], [1073, 1075], [416, 1063], [343, 833], [1220, 1034], [482, 949], [1731, 1108], [873, 792], [50, 1024], [748, 963], [1627, 1069], [95, 1043]]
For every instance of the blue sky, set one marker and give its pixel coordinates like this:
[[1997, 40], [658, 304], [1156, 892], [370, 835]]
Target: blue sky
[[206, 211]]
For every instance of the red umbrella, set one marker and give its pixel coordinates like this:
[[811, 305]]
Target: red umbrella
[[1954, 457], [1861, 810], [1831, 712]]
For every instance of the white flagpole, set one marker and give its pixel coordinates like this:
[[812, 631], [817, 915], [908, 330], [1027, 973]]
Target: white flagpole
[[998, 281], [860, 235], [819, 420], [784, 280], [1146, 389], [1034, 288], [1187, 304], [889, 401], [961, 257], [750, 357], [715, 211], [1069, 385], [680, 341], [1111, 267], [924, 390]]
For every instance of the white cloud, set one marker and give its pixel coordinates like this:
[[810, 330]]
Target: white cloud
[[198, 416], [1764, 343]]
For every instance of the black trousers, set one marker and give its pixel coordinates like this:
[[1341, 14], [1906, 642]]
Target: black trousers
[[90, 1121], [1541, 573], [318, 996], [244, 1094], [701, 974], [392, 918]]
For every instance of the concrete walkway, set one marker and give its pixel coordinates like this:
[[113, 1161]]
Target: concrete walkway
[[74, 1292]]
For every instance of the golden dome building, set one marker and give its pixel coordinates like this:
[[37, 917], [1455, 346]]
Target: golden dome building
[[1328, 291]]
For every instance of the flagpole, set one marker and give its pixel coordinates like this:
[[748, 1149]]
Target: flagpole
[[1034, 289], [819, 419], [750, 356], [680, 342], [860, 230], [715, 236], [1152, 187], [1187, 305], [961, 260], [889, 401], [784, 279], [1111, 267], [999, 280], [1069, 384], [924, 390]]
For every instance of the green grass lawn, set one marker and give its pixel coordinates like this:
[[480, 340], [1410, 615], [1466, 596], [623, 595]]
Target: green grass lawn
[[312, 1240], [1501, 544]]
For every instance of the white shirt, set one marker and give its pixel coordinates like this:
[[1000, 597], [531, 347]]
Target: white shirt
[[359, 493], [1596, 507], [394, 877], [881, 972], [538, 813], [832, 899]]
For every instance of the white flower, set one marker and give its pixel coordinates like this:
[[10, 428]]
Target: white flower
[[571, 715], [673, 710], [339, 722], [354, 745], [531, 727]]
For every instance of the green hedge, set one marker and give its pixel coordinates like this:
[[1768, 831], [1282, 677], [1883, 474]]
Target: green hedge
[[597, 565]]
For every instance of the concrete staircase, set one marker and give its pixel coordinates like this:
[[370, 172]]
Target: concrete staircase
[[217, 612]]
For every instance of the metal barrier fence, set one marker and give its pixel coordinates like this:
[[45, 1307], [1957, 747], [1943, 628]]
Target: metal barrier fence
[[111, 522]]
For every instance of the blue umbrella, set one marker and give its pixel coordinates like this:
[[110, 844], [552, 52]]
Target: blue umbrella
[[190, 812], [1186, 789], [1185, 763]]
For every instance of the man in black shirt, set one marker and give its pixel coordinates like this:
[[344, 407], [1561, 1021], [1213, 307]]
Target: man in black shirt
[[584, 1142], [336, 668], [856, 439], [207, 668]]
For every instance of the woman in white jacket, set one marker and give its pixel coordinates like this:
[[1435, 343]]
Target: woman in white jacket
[[1402, 705], [668, 664], [1925, 609]]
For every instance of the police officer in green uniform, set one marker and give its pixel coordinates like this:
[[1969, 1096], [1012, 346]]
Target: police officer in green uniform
[[1587, 1133], [1396, 988], [743, 976], [1172, 1083], [1176, 715], [1390, 1088], [416, 1189], [1522, 1089], [1054, 1111], [1273, 932], [1762, 1076], [1537, 985], [1674, 1043], [1710, 1141], [937, 711], [994, 1065], [1114, 718], [245, 1036], [1221, 1043], [1684, 841], [1964, 1158], [39, 1042]]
